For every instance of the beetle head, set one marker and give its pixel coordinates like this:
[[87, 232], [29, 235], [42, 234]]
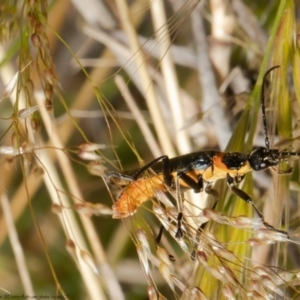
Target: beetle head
[[263, 158]]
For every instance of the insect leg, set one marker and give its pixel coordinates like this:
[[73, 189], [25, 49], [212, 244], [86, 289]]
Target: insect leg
[[244, 196], [212, 192], [159, 235], [166, 170], [197, 186], [118, 176]]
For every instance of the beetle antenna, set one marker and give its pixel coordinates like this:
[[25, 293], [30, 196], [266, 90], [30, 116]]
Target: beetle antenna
[[263, 107]]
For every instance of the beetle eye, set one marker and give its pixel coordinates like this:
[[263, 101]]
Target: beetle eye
[[263, 165]]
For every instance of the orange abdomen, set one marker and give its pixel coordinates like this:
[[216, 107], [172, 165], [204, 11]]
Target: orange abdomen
[[135, 194]]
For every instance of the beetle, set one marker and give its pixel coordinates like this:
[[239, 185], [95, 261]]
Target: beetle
[[194, 171]]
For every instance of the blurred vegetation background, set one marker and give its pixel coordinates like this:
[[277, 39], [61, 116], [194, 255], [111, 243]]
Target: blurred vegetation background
[[95, 86]]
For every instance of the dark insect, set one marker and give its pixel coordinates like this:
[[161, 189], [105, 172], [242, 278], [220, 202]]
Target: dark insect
[[196, 171]]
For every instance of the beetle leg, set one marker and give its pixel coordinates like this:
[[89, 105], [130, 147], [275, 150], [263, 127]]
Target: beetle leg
[[118, 176], [166, 170], [239, 178], [167, 177], [212, 192], [244, 196], [118, 179], [179, 233], [159, 235], [197, 186]]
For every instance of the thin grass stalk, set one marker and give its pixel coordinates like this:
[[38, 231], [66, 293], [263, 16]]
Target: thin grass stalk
[[210, 95], [93, 286], [68, 220], [170, 79], [148, 87], [16, 246], [149, 138], [281, 101]]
